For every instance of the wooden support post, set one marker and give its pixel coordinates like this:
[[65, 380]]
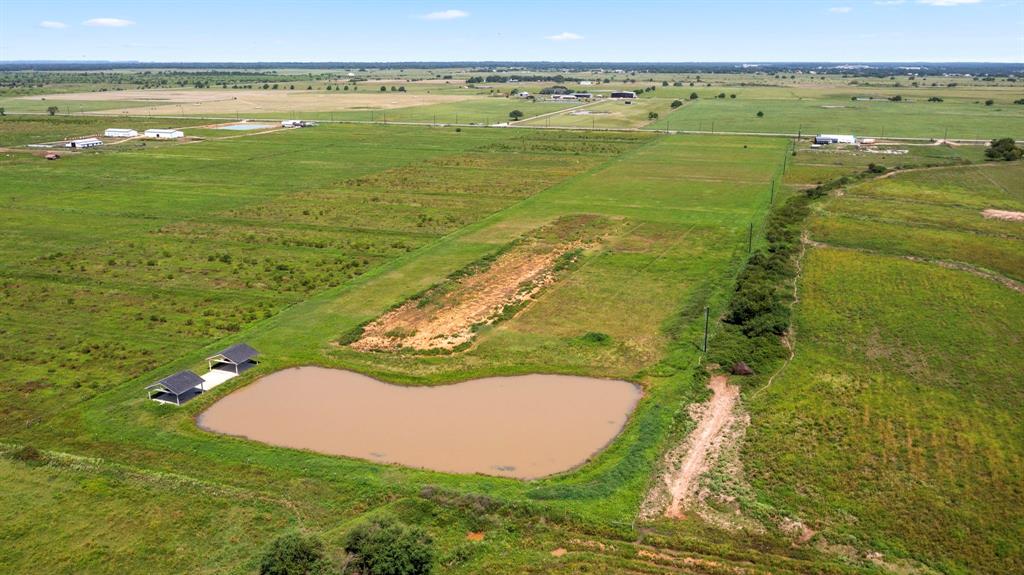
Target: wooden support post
[[707, 317]]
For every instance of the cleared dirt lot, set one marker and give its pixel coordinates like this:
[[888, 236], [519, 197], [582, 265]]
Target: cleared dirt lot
[[169, 102], [448, 319]]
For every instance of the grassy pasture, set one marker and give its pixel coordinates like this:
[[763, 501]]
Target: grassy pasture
[[148, 259], [934, 214], [895, 428], [680, 233], [823, 114], [608, 114]]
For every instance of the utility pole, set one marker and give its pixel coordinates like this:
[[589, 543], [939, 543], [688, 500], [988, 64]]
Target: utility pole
[[750, 239], [771, 200], [707, 317]]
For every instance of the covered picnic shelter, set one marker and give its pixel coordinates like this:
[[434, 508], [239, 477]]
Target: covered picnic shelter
[[177, 389], [235, 359]]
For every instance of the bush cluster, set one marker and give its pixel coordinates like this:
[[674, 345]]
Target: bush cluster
[[1004, 149], [759, 311], [388, 547], [759, 305]]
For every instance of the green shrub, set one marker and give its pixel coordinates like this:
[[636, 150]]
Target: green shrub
[[388, 547], [295, 554], [595, 337], [1004, 149]]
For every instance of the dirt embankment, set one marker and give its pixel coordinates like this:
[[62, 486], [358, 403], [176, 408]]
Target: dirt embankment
[[1003, 215], [685, 463], [446, 317]]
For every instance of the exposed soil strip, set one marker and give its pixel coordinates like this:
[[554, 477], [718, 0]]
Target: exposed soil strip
[[447, 320], [447, 316], [1003, 215], [690, 459]]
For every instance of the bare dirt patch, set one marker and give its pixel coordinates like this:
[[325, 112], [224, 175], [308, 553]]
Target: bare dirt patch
[[1003, 215], [693, 457], [514, 278], [449, 315], [173, 102]]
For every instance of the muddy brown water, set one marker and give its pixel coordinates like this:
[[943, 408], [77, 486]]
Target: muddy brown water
[[524, 426]]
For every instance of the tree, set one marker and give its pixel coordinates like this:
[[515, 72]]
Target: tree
[[652, 115], [760, 114], [732, 96], [989, 102], [389, 547], [294, 554], [383, 88], [676, 103], [694, 96], [52, 110], [1004, 149], [3, 112], [515, 115]]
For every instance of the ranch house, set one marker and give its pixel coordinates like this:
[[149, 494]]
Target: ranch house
[[623, 95]]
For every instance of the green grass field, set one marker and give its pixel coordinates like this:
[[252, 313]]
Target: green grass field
[[121, 266], [895, 427], [786, 114], [148, 258]]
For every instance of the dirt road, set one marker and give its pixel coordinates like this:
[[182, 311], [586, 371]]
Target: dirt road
[[682, 480]]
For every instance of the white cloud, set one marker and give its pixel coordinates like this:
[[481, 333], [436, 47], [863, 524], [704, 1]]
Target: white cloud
[[109, 22], [840, 9], [52, 24], [445, 15], [889, 2], [564, 36], [947, 2]]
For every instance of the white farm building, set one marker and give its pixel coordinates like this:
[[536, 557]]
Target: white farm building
[[164, 134], [84, 143], [835, 139], [120, 133]]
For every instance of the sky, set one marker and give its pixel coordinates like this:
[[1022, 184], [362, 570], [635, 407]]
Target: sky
[[524, 30]]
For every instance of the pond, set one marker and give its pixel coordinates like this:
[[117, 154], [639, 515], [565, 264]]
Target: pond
[[524, 426], [244, 127]]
